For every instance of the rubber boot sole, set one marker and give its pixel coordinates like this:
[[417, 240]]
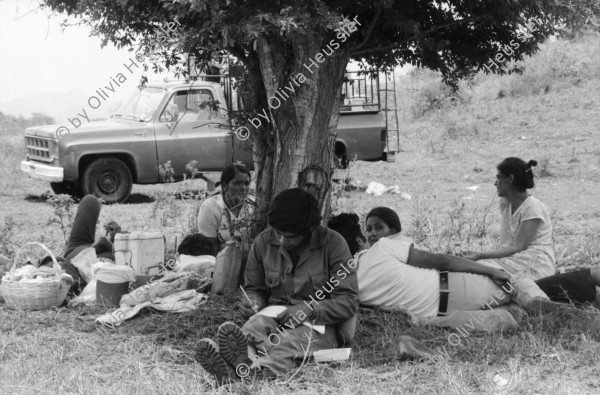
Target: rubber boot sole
[[211, 360], [233, 345]]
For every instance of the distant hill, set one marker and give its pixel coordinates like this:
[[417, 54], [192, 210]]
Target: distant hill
[[14, 125], [59, 106]]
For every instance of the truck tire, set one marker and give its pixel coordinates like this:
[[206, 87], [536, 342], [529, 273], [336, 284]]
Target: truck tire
[[109, 179], [67, 188], [341, 161]]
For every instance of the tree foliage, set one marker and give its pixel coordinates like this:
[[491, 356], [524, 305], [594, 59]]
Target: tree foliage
[[455, 37], [274, 39]]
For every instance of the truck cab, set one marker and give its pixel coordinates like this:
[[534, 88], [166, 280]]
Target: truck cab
[[167, 121]]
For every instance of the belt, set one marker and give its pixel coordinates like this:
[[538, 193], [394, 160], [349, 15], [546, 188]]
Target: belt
[[444, 291]]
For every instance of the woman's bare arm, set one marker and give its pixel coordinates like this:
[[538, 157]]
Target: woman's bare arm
[[451, 263], [525, 235]]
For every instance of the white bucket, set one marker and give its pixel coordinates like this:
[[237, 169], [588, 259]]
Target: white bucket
[[143, 251]]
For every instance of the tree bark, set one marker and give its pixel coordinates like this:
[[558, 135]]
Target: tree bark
[[301, 129]]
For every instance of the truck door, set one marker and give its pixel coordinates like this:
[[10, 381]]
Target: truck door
[[239, 149], [185, 132]]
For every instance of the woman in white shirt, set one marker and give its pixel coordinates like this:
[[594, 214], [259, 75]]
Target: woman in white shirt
[[224, 218], [526, 229]]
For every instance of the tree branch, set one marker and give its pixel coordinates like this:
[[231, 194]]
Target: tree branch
[[238, 52], [414, 37], [369, 30]]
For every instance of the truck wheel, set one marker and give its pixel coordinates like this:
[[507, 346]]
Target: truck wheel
[[67, 188], [109, 179], [341, 161]]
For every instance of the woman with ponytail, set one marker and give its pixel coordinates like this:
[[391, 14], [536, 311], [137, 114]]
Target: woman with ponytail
[[526, 230]]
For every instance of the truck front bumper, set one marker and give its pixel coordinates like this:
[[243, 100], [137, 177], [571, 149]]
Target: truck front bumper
[[41, 171]]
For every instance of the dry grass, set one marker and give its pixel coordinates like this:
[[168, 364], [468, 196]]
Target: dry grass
[[63, 351]]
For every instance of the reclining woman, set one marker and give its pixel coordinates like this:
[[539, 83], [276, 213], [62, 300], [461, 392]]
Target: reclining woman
[[526, 237], [383, 276], [220, 215], [83, 236], [83, 232], [393, 273]]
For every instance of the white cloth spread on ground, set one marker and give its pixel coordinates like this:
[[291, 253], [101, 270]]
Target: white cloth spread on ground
[[84, 261], [203, 264], [537, 261], [167, 294], [110, 273], [385, 279]]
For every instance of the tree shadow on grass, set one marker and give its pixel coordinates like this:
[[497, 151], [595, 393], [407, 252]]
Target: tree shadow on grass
[[139, 198], [134, 198]]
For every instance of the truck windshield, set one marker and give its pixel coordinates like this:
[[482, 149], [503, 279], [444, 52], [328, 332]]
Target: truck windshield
[[141, 105]]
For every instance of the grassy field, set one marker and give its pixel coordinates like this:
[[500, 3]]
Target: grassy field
[[550, 113]]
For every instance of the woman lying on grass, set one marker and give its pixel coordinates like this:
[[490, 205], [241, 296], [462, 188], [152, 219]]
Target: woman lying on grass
[[83, 235], [526, 238], [393, 273], [83, 232]]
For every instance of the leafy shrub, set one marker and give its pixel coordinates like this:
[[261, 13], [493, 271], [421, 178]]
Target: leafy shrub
[[62, 206]]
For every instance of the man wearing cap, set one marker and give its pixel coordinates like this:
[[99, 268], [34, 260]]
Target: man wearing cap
[[301, 265]]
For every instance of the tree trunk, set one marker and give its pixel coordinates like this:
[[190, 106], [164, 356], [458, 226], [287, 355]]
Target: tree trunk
[[303, 98]]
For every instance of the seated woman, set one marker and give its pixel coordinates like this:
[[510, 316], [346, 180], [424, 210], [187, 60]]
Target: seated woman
[[526, 229], [526, 239], [222, 216]]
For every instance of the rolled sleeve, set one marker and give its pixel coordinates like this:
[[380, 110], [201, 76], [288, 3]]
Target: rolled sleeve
[[342, 301]]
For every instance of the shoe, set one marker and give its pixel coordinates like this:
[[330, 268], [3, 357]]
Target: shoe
[[412, 349], [233, 345], [207, 352], [539, 305], [515, 310]]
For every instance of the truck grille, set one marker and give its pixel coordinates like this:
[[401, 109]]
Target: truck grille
[[38, 149]]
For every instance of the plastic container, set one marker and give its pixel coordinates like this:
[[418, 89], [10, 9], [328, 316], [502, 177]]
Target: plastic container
[[143, 251], [228, 268], [109, 295], [112, 282]]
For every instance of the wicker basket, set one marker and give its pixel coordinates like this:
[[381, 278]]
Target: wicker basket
[[23, 295]]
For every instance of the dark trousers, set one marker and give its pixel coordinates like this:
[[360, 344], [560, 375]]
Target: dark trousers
[[279, 350], [577, 287], [83, 233]]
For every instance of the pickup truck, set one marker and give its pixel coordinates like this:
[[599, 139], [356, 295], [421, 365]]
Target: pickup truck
[[166, 121]]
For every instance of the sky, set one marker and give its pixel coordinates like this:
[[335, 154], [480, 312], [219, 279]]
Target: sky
[[36, 56], [39, 61]]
